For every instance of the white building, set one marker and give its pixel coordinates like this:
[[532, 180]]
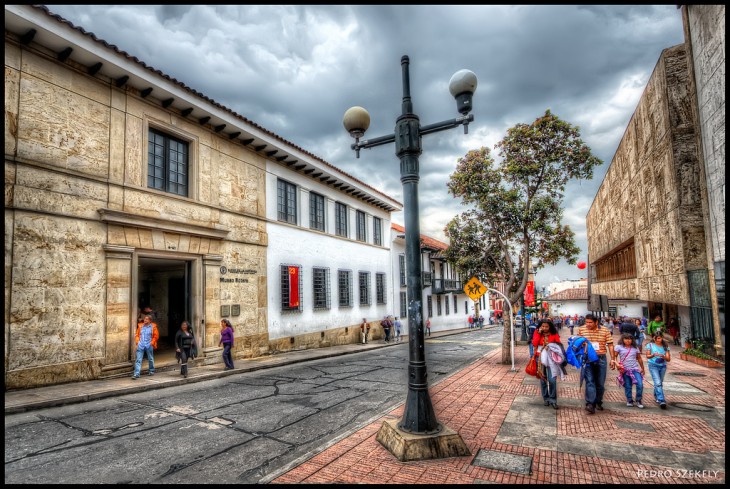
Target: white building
[[567, 284], [335, 237], [444, 301]]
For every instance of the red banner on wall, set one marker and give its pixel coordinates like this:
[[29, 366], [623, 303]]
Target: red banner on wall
[[530, 294], [293, 286]]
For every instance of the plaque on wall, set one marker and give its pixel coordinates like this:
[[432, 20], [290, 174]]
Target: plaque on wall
[[225, 311], [236, 310]]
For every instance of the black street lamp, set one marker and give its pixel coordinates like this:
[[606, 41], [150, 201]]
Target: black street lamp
[[418, 417]]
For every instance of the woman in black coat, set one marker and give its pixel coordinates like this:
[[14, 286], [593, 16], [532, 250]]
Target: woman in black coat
[[185, 346]]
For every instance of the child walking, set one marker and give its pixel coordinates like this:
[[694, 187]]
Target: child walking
[[658, 354], [630, 369]]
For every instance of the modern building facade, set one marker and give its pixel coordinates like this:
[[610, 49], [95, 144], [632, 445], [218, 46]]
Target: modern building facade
[[650, 230], [125, 188], [444, 301]]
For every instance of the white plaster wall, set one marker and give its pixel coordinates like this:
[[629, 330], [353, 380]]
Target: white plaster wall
[[628, 308], [569, 308]]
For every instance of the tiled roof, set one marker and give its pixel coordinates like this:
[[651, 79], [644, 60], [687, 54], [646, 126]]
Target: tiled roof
[[204, 97], [426, 242], [576, 294]]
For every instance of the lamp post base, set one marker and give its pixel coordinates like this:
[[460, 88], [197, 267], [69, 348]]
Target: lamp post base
[[408, 446]]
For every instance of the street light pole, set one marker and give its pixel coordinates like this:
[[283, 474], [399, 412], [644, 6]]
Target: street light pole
[[418, 417]]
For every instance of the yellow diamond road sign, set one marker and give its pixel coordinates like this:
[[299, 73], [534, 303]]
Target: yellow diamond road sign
[[474, 288]]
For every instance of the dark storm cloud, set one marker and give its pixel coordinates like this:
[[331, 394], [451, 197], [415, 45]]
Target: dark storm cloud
[[296, 69]]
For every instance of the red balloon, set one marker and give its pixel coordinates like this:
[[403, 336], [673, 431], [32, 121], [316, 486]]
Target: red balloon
[[581, 265]]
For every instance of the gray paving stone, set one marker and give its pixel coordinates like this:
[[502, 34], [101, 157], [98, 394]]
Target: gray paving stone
[[509, 462]]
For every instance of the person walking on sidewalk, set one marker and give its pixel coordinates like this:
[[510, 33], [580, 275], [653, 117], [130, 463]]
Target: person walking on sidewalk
[[656, 325], [428, 327], [146, 339], [658, 354], [398, 329], [184, 342], [227, 342], [630, 369], [546, 334], [364, 330], [595, 372], [387, 324]]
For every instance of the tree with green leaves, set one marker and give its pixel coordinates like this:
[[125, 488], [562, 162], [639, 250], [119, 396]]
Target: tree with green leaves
[[515, 206]]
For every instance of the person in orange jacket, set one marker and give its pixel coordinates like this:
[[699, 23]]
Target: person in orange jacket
[[146, 338]]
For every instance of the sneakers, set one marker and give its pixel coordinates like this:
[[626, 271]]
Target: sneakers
[[591, 409], [630, 404], [639, 405], [663, 405], [151, 374], [135, 377]]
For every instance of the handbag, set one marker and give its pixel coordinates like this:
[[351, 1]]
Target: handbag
[[531, 368]]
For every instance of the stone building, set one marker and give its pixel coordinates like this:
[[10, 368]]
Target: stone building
[[649, 228], [125, 188]]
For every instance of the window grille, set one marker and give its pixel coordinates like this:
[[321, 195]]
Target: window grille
[[403, 305], [316, 211], [340, 219], [377, 231], [456, 309], [380, 288], [438, 305], [344, 287], [429, 303], [402, 268], [446, 303], [321, 287], [285, 288], [287, 201], [364, 281], [360, 224], [167, 164]]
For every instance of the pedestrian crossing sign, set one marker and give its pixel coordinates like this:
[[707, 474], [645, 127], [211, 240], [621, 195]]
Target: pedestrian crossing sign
[[474, 288]]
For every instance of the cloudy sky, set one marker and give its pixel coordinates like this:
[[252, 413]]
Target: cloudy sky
[[295, 70]]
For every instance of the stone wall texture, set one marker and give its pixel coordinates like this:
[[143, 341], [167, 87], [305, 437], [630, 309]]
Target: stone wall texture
[[706, 25], [76, 154], [652, 192]]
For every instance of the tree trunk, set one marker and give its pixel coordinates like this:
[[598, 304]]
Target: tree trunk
[[507, 339]]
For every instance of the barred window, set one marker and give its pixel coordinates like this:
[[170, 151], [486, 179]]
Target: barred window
[[167, 164], [377, 231], [291, 300], [403, 305], [456, 309], [438, 305], [321, 287], [340, 219], [380, 288], [430, 306], [466, 307], [360, 226], [316, 211], [287, 201], [344, 287], [402, 268], [364, 281], [446, 303]]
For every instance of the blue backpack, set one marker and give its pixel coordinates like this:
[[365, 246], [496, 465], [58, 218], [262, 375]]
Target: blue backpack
[[580, 351]]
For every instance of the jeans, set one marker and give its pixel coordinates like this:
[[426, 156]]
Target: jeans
[[387, 334], [639, 386], [227, 358], [150, 359], [532, 349], [549, 388], [657, 377], [595, 378]]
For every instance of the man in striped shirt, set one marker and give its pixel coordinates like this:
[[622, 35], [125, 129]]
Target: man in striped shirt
[[595, 373]]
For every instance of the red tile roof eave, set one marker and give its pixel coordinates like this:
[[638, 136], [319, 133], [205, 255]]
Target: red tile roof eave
[[206, 98], [426, 242]]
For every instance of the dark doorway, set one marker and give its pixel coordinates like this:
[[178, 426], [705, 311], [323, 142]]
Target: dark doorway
[[165, 285]]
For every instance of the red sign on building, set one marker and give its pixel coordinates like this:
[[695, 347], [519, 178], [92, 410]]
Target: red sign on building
[[293, 286], [530, 294]]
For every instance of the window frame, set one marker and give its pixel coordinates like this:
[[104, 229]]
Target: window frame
[[403, 304], [321, 298], [366, 300], [402, 269], [290, 215], [380, 288], [429, 303], [377, 231], [168, 137], [317, 211], [341, 225], [284, 288], [361, 232], [348, 286]]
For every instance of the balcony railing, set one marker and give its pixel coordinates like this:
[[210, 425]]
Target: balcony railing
[[446, 286]]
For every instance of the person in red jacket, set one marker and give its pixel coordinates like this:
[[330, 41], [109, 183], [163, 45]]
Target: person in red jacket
[[546, 333]]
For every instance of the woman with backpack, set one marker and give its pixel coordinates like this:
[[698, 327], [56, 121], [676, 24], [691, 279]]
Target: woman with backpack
[[546, 334], [630, 369], [658, 354]]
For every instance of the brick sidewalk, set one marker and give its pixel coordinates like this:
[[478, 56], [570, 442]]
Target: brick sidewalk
[[495, 410]]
